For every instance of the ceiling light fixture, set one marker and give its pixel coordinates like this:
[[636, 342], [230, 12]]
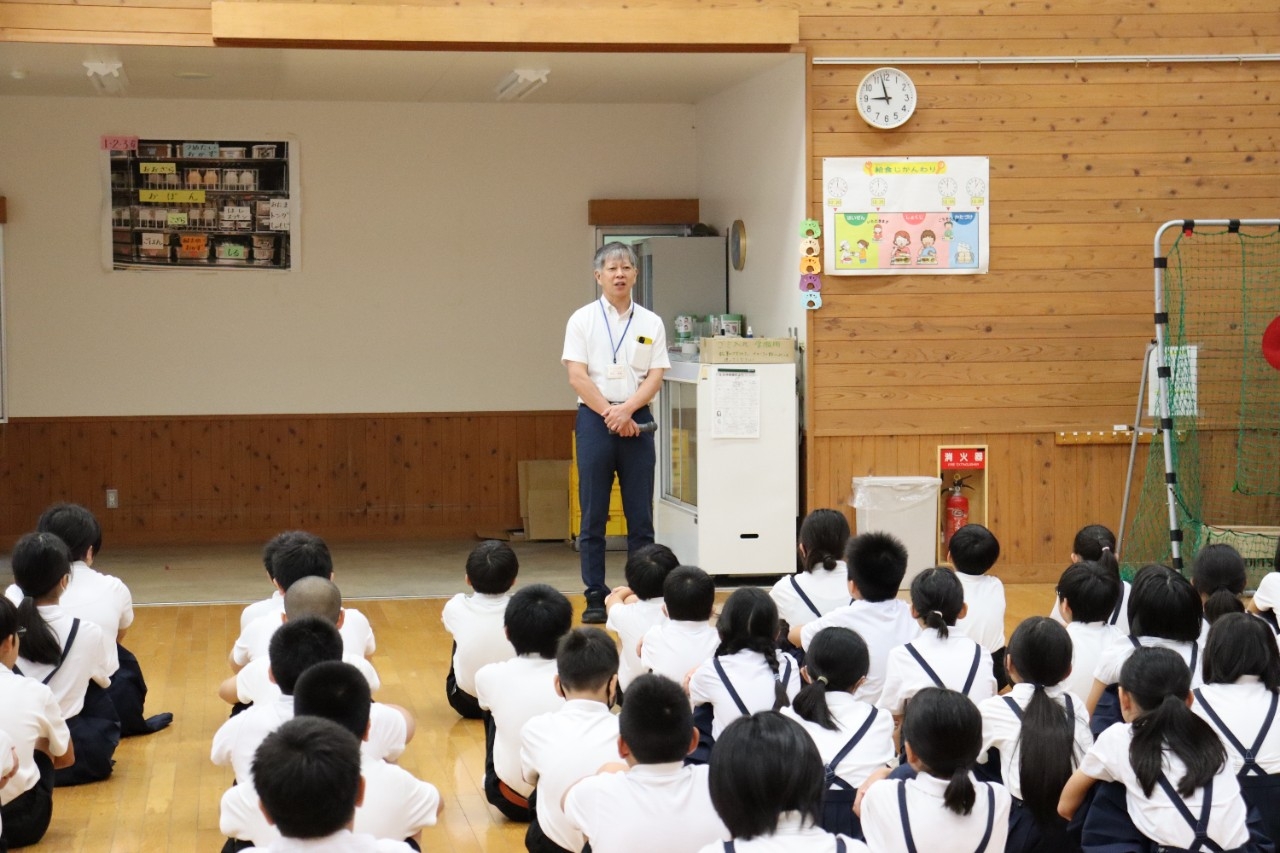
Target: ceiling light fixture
[[518, 85], [107, 77]]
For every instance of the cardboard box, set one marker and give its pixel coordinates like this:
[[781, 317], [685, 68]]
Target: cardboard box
[[544, 498], [726, 350]]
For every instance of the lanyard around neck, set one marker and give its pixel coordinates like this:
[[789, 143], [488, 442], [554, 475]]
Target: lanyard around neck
[[608, 327]]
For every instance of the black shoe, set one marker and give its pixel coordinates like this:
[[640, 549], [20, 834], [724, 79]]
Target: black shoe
[[595, 614]]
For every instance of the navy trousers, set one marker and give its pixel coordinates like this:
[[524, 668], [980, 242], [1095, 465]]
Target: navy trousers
[[601, 455]]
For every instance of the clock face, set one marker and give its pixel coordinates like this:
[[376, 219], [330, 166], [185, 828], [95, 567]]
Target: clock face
[[886, 98]]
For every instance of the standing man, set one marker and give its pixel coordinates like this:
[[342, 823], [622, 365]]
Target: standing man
[[616, 354]]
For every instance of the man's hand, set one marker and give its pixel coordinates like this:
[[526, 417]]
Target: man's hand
[[618, 420]]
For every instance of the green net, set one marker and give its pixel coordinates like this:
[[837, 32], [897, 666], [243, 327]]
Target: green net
[[1221, 291]]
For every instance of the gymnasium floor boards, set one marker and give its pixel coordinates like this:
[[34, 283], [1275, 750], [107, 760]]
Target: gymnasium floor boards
[[164, 793]]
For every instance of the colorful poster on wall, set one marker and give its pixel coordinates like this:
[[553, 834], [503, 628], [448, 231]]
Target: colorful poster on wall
[[906, 215]]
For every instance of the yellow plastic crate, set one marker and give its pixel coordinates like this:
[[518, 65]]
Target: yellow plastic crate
[[617, 523]]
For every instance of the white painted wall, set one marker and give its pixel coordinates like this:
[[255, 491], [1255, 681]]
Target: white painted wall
[[751, 153], [443, 248]]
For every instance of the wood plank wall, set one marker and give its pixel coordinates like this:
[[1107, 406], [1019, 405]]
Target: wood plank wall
[[1086, 162], [245, 478]]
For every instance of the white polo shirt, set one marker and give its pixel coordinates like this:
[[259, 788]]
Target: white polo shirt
[[1242, 706], [752, 678], [883, 625], [951, 659], [631, 622], [475, 621], [793, 835], [1267, 596], [673, 648], [558, 749], [662, 807], [1118, 650], [984, 621], [397, 805], [515, 691], [933, 825], [828, 589], [1088, 639], [274, 604], [28, 712], [1002, 729], [86, 662], [94, 597], [342, 841], [254, 684], [596, 330], [875, 749], [255, 641], [1156, 817]]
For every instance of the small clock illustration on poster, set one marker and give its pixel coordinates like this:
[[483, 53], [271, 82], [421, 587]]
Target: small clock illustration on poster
[[886, 98]]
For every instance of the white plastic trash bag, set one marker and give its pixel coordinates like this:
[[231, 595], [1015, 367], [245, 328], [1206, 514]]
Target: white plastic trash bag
[[904, 507]]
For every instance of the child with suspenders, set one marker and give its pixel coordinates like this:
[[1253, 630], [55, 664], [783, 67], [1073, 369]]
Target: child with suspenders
[[1097, 544], [943, 808], [745, 674], [1181, 794], [823, 585], [937, 658], [767, 785], [1165, 611], [1037, 734], [853, 737], [1238, 699]]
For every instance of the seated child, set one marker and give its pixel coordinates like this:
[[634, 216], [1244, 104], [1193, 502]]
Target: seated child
[[646, 572], [302, 555], [655, 802], [396, 804], [767, 784], [938, 657], [854, 739], [1238, 699], [1267, 596], [877, 564], [943, 807], [823, 584], [67, 654], [475, 622], [309, 596], [1040, 732], [30, 716], [514, 691], [105, 601], [1087, 594], [1098, 544], [309, 781], [560, 747], [973, 551], [745, 674], [274, 603], [674, 647], [1164, 755], [1218, 574], [1164, 610]]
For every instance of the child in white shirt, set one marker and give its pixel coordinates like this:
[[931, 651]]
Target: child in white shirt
[[1097, 543], [1087, 594], [674, 647], [823, 585], [635, 608], [475, 622], [973, 551]]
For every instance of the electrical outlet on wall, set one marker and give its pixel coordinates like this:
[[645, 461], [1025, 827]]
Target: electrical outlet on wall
[[113, 498]]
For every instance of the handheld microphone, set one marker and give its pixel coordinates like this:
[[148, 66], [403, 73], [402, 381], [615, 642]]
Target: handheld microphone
[[651, 426]]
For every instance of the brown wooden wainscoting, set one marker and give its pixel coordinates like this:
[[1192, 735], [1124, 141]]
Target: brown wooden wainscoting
[[245, 477]]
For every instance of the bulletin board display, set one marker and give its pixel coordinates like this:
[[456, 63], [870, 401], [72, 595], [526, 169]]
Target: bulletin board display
[[906, 215], [212, 204]]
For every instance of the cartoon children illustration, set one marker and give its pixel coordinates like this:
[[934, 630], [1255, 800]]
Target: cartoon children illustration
[[901, 254], [846, 254], [877, 232], [928, 254], [947, 232], [862, 251]]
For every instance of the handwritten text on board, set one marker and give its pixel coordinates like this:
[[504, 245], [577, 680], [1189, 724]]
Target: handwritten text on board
[[119, 143]]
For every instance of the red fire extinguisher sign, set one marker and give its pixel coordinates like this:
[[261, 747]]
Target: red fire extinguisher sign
[[962, 459]]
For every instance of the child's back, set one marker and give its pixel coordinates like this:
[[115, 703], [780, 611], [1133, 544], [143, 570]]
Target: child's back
[[475, 622], [973, 551], [674, 647], [1097, 544], [1086, 596], [646, 572], [823, 585]]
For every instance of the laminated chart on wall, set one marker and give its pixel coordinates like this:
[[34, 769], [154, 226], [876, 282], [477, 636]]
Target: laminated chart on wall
[[737, 403], [906, 215]]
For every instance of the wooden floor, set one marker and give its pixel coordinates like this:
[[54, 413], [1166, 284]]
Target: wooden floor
[[164, 793]]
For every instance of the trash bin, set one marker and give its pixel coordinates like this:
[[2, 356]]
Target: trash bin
[[905, 507]]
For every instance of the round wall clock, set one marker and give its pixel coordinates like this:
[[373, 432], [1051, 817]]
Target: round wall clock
[[738, 244], [886, 98]]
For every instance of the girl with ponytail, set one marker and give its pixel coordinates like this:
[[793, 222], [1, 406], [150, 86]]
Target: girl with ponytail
[[1163, 755], [854, 738], [939, 657], [1040, 732], [1098, 544], [821, 583], [943, 808], [65, 653], [745, 674], [1219, 575]]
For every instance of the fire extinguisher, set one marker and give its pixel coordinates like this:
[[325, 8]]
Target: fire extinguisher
[[957, 510]]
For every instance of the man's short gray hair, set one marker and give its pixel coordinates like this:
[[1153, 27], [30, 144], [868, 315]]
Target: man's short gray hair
[[615, 249]]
